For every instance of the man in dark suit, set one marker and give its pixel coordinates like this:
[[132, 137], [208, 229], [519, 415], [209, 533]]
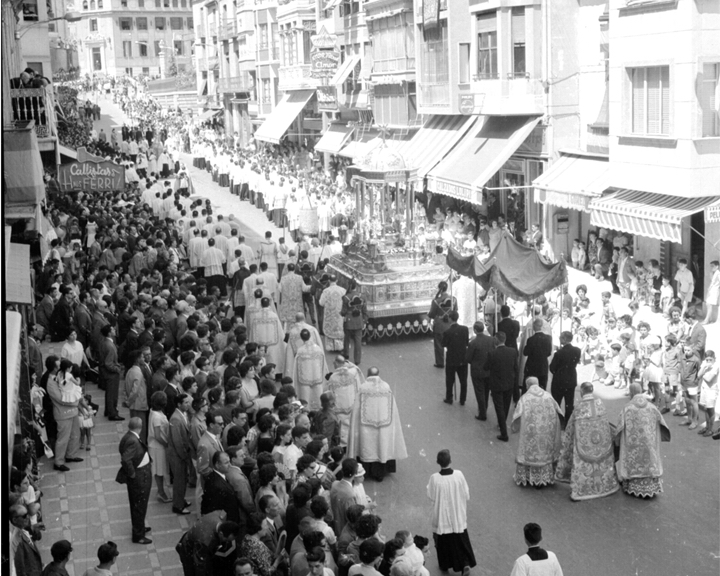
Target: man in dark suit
[[26, 557], [696, 335], [563, 368], [110, 371], [441, 306], [83, 320], [455, 339], [178, 452], [35, 357], [199, 546], [502, 366], [218, 494], [537, 349], [509, 326], [130, 343], [135, 473], [476, 355], [342, 495]]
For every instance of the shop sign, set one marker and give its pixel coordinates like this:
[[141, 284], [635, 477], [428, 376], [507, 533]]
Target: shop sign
[[456, 191], [566, 200], [326, 98], [712, 213], [535, 144], [384, 176], [467, 104], [324, 62], [91, 176], [323, 40]]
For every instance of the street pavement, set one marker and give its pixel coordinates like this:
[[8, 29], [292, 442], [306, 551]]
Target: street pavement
[[675, 534]]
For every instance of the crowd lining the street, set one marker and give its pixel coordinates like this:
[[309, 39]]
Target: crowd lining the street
[[230, 394]]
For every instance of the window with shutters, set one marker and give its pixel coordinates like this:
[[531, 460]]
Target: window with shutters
[[650, 100], [159, 23], [143, 49], [125, 24], [142, 23], [93, 25], [176, 23], [190, 23], [179, 47], [158, 49], [710, 100], [487, 56], [127, 49], [517, 31]]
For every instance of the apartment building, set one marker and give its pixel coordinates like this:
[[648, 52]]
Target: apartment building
[[134, 37]]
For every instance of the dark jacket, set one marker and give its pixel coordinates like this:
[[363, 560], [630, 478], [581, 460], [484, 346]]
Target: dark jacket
[[537, 349], [132, 451], [477, 354], [218, 494], [501, 364], [563, 366], [455, 339], [512, 331], [441, 306]]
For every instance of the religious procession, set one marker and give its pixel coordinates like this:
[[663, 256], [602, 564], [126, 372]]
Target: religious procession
[[459, 333]]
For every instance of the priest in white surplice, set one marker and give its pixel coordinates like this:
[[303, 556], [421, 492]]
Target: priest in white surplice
[[448, 490], [294, 341], [292, 287], [212, 262], [309, 371], [376, 437], [265, 328], [344, 382]]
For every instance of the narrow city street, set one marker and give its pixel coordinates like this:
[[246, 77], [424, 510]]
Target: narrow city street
[[674, 534]]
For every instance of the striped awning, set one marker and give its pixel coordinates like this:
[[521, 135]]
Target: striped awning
[[434, 140], [573, 181], [645, 213], [284, 114], [359, 146], [334, 138], [22, 171]]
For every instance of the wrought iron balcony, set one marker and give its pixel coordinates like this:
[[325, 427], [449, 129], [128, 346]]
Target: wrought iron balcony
[[36, 104], [234, 84]]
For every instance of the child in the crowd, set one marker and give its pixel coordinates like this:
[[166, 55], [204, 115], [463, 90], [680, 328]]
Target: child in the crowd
[[627, 359], [612, 363], [667, 296], [593, 345], [87, 423], [612, 332], [672, 361], [608, 310], [653, 373], [638, 284], [685, 284], [602, 376], [708, 378], [690, 367]]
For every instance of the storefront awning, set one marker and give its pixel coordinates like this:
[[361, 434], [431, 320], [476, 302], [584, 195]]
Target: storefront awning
[[645, 213], [358, 147], [13, 331], [573, 181], [434, 140], [481, 153], [334, 138], [208, 114], [18, 289], [273, 129], [345, 69], [22, 171], [69, 152]]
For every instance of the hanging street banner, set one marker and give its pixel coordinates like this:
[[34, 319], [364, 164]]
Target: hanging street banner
[[91, 176]]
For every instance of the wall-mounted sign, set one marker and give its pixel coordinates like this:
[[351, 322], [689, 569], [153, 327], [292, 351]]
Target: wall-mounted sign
[[326, 98], [712, 213], [323, 39], [466, 104], [91, 176], [455, 191], [324, 62]]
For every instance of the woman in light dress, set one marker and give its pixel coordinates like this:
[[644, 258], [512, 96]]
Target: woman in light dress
[[713, 294], [158, 433]]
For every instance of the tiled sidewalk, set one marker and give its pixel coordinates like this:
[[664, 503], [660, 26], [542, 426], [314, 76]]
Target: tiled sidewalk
[[87, 507]]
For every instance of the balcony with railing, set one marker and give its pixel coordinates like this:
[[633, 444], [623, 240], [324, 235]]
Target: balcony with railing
[[383, 66], [36, 104], [296, 77], [509, 96], [288, 7], [227, 30], [234, 84]]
